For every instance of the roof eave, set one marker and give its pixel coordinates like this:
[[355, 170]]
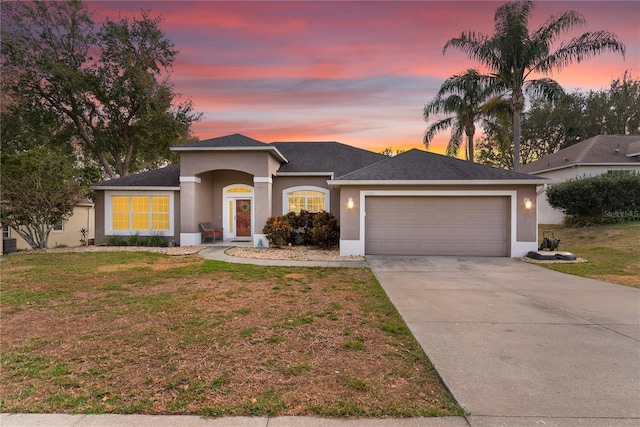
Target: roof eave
[[572, 165], [532, 181], [305, 174], [133, 188], [276, 153]]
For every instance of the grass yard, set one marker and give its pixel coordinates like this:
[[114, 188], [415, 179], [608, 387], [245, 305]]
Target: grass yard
[[147, 333], [612, 251]]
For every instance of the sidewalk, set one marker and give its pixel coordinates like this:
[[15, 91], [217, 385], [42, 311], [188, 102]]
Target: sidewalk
[[112, 420]]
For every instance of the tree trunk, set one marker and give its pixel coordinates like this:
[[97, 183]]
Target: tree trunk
[[517, 120]]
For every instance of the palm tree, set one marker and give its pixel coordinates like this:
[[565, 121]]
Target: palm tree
[[513, 55], [466, 98]]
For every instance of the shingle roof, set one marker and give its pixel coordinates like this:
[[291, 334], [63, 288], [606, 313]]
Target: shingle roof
[[324, 157], [168, 176], [418, 165], [598, 150], [228, 141]]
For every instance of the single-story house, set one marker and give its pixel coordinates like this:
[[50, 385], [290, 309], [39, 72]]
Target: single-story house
[[66, 233], [591, 157], [415, 203]]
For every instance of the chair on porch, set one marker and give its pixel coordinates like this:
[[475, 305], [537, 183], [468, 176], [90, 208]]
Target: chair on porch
[[208, 230]]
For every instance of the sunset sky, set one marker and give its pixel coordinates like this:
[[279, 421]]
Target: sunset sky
[[354, 72]]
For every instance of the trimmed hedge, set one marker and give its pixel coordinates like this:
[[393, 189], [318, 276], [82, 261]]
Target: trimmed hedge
[[597, 199]]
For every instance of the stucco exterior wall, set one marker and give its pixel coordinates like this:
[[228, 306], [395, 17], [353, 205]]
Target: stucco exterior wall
[[281, 183], [260, 164]]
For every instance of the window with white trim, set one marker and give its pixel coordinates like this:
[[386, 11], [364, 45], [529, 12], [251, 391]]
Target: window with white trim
[[311, 199], [59, 227], [5, 232], [142, 213]]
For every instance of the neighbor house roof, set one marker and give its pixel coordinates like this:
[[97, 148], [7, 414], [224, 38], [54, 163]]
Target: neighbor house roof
[[605, 150], [421, 167], [167, 177], [324, 157]]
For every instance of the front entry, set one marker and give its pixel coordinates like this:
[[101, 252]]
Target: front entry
[[243, 217], [238, 212]]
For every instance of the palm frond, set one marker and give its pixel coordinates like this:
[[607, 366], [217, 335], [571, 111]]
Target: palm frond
[[580, 48], [545, 88], [456, 139], [435, 128]]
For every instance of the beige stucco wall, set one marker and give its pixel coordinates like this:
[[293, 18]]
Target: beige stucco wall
[[549, 215], [526, 221], [281, 183], [83, 217], [256, 163]]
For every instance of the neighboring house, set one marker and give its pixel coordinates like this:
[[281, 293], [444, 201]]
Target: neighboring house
[[416, 203], [66, 233], [591, 157]]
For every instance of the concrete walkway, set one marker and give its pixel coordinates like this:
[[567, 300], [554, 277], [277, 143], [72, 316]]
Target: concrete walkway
[[518, 344]]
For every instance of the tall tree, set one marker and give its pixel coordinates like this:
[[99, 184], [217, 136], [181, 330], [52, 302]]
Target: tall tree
[[514, 55], [40, 188], [109, 86], [466, 99]]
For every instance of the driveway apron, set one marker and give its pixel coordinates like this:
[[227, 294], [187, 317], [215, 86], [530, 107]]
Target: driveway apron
[[519, 343]]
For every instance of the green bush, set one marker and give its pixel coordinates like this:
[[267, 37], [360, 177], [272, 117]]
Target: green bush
[[326, 232], [157, 240], [301, 226], [277, 230], [589, 199], [116, 241]]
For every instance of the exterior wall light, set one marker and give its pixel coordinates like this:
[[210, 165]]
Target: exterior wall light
[[528, 204], [350, 203]]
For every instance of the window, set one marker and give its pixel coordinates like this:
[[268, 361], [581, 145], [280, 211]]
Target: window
[[146, 214], [59, 227], [312, 199], [5, 232]]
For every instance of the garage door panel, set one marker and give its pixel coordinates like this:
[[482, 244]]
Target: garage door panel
[[437, 225]]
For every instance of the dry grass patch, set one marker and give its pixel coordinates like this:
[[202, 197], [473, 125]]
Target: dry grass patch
[[148, 333]]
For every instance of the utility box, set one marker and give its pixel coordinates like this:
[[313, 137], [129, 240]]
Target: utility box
[[9, 246]]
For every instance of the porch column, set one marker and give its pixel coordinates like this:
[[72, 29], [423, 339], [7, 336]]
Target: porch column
[[262, 194], [189, 232]]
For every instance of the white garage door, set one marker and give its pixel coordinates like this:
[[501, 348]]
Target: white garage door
[[464, 226]]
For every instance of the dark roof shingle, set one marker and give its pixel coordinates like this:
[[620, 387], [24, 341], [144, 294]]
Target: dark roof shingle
[[325, 157], [228, 141], [418, 165], [168, 176]]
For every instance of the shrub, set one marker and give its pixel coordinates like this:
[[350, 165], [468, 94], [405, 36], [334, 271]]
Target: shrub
[[116, 241], [136, 240], [590, 198], [277, 230], [621, 217], [301, 226], [157, 240], [326, 232]]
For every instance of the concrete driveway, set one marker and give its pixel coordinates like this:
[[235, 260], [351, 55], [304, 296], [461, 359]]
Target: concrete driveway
[[518, 344]]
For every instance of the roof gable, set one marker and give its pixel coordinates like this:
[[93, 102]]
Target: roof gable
[[228, 141], [598, 150], [329, 156], [418, 165]]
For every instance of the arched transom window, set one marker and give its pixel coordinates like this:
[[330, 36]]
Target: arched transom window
[[311, 199]]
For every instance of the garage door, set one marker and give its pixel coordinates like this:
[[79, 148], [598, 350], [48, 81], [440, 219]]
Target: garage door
[[465, 226]]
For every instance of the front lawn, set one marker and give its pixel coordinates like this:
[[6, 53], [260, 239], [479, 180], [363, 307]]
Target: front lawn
[[152, 334], [612, 251]]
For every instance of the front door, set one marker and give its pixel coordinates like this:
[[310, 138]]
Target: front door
[[243, 217]]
